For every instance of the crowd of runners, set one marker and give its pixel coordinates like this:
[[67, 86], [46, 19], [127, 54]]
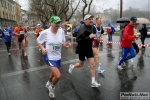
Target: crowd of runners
[[51, 40]]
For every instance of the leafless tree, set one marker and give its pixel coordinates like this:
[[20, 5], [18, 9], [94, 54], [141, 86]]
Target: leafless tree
[[71, 10], [62, 8], [85, 6], [88, 4], [42, 11]]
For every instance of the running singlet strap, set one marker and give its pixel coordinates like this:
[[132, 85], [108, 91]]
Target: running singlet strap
[[98, 32]]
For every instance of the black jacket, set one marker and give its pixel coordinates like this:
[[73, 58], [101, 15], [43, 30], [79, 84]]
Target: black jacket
[[83, 39], [143, 32]]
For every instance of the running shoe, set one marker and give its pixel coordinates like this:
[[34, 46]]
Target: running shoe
[[132, 60], [95, 84], [70, 68], [51, 91], [48, 84], [119, 67], [100, 70]]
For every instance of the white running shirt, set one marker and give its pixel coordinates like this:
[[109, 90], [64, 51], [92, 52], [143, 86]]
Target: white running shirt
[[52, 43]]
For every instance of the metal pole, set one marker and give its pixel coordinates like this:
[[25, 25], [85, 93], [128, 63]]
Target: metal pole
[[120, 8], [148, 5], [148, 9]]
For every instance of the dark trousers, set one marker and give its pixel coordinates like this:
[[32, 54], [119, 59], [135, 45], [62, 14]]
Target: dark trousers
[[142, 40], [8, 45], [125, 55], [110, 37], [135, 46]]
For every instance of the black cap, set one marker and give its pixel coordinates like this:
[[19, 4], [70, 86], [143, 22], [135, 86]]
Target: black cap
[[133, 19]]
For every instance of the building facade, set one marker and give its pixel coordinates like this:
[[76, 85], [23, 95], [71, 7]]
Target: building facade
[[29, 18], [10, 13], [18, 12]]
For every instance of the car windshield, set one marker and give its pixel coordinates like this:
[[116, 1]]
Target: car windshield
[[148, 29]]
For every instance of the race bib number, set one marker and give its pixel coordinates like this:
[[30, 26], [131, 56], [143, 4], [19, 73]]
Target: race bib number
[[21, 32], [55, 47], [6, 33], [98, 34]]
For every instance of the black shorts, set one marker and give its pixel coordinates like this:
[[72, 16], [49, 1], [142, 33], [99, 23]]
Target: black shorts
[[37, 35], [20, 39], [135, 47], [87, 54]]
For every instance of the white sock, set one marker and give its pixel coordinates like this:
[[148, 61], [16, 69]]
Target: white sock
[[99, 67], [49, 82], [72, 66], [93, 80], [85, 60]]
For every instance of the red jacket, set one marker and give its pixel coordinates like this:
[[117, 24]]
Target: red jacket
[[108, 30], [128, 36]]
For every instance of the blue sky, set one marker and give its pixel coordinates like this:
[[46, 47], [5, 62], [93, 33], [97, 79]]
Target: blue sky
[[141, 4]]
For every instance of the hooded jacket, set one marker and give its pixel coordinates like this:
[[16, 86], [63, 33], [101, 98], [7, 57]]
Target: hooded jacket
[[128, 36], [112, 28], [4, 33]]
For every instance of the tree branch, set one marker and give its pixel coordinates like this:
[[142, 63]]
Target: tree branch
[[83, 11], [64, 8], [73, 10], [89, 7]]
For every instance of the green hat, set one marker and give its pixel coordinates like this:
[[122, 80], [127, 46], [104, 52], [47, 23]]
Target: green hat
[[55, 19]]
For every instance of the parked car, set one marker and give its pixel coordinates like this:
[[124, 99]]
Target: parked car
[[117, 28], [148, 32]]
